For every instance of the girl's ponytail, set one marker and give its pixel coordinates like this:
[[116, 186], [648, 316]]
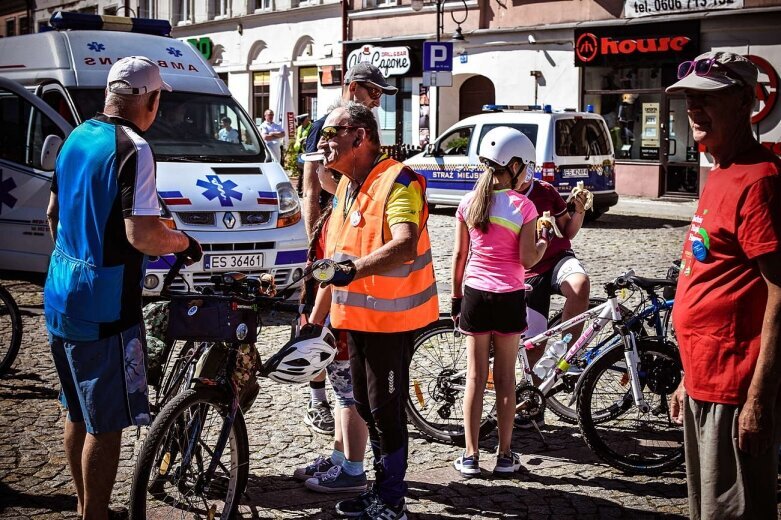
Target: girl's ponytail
[[479, 210]]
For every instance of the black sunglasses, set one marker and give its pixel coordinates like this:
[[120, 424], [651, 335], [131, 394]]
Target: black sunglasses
[[329, 132], [374, 92]]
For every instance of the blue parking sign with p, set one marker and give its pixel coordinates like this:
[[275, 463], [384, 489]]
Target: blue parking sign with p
[[437, 56]]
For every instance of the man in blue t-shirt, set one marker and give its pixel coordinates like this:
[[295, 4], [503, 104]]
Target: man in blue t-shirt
[[104, 218]]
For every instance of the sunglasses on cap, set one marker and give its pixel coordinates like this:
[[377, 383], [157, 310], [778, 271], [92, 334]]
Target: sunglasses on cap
[[703, 67], [374, 92], [329, 132]]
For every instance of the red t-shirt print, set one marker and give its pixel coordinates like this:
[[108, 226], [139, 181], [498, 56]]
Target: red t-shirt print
[[721, 298]]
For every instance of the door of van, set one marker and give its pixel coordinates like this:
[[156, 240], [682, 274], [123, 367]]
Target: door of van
[[450, 166], [583, 151], [28, 125]]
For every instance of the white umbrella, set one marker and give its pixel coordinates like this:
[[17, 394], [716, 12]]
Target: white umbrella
[[283, 105]]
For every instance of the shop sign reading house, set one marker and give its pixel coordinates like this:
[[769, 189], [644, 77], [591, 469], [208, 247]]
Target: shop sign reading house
[[392, 61], [636, 44]]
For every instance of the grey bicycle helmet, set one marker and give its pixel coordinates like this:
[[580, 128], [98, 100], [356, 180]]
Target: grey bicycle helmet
[[303, 357]]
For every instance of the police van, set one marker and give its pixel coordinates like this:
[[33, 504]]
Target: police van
[[228, 194], [571, 146]]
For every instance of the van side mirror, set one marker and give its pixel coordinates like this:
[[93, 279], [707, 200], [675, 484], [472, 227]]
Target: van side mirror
[[51, 145]]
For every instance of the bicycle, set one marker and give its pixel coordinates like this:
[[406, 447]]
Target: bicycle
[[623, 395], [438, 370], [10, 330], [194, 461]]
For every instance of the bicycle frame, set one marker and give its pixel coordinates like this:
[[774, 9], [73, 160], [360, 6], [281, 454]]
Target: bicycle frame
[[602, 314]]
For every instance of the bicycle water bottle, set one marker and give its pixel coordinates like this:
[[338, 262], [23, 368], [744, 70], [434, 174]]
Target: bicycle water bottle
[[551, 356]]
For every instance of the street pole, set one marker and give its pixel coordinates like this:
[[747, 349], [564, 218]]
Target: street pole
[[440, 16]]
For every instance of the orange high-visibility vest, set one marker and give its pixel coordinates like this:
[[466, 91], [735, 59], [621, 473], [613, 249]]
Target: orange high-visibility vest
[[401, 299]]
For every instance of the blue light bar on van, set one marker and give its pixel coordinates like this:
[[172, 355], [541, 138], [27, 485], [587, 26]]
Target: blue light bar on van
[[590, 109], [501, 108], [547, 109], [79, 21]]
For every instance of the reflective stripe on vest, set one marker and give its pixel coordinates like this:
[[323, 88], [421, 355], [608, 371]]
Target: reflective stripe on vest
[[366, 301], [401, 299], [402, 271]]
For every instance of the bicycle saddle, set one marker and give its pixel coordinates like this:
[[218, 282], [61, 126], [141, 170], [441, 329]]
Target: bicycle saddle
[[651, 283]]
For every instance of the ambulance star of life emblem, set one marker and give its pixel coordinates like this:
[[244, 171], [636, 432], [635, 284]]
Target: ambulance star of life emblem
[[229, 220]]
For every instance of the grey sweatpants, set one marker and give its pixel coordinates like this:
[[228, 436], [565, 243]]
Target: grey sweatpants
[[725, 483]]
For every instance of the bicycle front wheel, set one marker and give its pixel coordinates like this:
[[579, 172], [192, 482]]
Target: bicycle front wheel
[[10, 330], [561, 399], [437, 385], [612, 425], [171, 474]]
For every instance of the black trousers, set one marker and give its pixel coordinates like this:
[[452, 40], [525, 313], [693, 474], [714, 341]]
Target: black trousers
[[379, 364]]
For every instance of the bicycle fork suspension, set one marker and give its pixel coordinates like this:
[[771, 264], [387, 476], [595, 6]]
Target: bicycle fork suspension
[[632, 362]]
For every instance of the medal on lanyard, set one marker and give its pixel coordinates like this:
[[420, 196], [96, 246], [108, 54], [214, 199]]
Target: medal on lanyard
[[355, 218]]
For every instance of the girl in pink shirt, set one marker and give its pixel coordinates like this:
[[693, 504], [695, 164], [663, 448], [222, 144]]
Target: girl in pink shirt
[[495, 241]]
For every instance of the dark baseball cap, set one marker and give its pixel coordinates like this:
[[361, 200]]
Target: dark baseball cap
[[726, 69], [365, 72]]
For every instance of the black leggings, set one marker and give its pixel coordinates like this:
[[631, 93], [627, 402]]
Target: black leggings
[[379, 364]]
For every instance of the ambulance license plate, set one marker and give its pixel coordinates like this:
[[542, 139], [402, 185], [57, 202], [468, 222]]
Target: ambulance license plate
[[231, 262]]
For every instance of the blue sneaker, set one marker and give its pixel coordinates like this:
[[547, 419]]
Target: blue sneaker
[[336, 480], [468, 466], [354, 507], [379, 510], [320, 465], [507, 463]]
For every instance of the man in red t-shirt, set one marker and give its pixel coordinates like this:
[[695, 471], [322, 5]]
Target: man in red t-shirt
[[727, 312]]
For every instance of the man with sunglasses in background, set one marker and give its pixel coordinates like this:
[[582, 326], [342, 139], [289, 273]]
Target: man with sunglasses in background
[[727, 311], [383, 291], [364, 84]]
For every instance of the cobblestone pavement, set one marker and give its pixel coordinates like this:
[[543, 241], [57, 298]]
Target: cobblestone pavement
[[563, 480]]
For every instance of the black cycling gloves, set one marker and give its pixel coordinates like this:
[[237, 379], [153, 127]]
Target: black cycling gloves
[[193, 251], [345, 273], [455, 307]]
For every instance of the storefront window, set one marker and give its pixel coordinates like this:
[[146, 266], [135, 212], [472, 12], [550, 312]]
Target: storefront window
[[630, 101], [260, 94], [307, 90], [395, 114]]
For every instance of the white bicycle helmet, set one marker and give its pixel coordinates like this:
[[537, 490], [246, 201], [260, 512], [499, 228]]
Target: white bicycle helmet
[[303, 357], [501, 144]]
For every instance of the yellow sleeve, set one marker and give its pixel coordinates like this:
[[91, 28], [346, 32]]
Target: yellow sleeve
[[405, 202]]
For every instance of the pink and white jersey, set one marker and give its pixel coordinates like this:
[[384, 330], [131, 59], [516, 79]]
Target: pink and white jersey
[[494, 263]]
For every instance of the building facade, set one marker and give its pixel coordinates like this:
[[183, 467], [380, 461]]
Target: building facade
[[15, 17], [284, 55], [612, 56]]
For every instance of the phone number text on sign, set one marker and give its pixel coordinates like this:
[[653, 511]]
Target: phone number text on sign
[[637, 8]]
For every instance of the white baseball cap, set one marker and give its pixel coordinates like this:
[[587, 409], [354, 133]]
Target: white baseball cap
[[135, 75]]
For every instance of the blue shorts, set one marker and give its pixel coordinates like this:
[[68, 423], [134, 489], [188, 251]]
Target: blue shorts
[[104, 382]]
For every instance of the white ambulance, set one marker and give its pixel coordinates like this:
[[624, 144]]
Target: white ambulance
[[229, 194]]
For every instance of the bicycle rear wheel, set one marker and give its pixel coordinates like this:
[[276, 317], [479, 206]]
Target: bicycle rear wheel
[[10, 330], [437, 385], [613, 427], [169, 479]]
